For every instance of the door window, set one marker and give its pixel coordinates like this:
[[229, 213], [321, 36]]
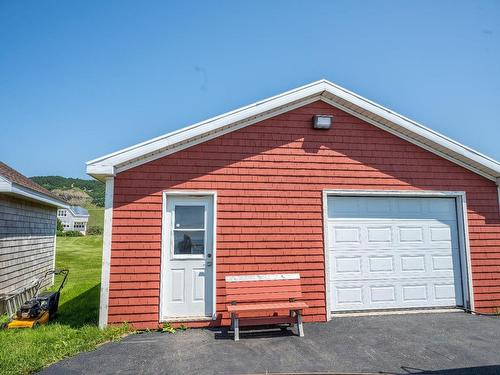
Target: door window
[[189, 230]]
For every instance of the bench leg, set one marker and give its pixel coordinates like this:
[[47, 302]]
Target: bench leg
[[300, 327], [236, 327], [291, 314]]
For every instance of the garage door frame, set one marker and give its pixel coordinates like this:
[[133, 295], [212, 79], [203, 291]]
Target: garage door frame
[[463, 232]]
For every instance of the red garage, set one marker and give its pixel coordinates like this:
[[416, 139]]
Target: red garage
[[373, 210]]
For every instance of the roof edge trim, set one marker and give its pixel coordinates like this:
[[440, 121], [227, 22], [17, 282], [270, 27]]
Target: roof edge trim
[[12, 188], [111, 164]]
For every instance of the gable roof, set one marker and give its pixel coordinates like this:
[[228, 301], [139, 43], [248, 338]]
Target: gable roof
[[14, 183], [78, 211], [375, 114]]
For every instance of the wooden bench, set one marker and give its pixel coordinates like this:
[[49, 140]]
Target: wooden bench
[[264, 293]]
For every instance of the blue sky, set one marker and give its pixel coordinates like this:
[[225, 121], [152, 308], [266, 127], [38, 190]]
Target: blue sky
[[80, 79]]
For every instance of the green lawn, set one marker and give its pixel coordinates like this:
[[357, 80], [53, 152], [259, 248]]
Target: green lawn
[[75, 329], [96, 217]]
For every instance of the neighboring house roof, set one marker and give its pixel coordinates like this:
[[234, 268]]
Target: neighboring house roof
[[14, 183], [78, 211], [323, 90]]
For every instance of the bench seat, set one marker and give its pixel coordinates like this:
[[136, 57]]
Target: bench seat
[[267, 306], [260, 293]]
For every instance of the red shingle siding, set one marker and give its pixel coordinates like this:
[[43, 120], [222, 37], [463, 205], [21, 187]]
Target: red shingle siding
[[269, 178]]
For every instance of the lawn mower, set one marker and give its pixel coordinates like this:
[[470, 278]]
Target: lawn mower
[[42, 307]]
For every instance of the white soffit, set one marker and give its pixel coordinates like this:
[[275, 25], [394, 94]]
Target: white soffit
[[11, 188], [326, 91]]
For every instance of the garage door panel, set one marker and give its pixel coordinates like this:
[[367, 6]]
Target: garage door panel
[[379, 234], [393, 253], [344, 207], [442, 207], [386, 264], [443, 233], [377, 206], [411, 234], [442, 263], [348, 265], [381, 276], [382, 294], [391, 208], [414, 293], [412, 263], [444, 291], [393, 294], [350, 295], [347, 235], [410, 207], [381, 264]]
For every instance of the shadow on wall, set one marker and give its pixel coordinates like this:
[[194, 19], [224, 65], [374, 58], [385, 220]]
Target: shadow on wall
[[479, 370], [368, 148], [81, 310]]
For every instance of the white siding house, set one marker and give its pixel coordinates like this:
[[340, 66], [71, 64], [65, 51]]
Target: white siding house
[[27, 232], [74, 218]]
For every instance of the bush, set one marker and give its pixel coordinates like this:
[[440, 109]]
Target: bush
[[70, 233], [59, 225], [94, 230]]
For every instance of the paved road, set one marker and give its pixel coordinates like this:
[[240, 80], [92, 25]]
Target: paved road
[[441, 343]]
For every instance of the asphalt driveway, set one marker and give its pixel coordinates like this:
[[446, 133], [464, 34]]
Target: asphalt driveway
[[442, 343]]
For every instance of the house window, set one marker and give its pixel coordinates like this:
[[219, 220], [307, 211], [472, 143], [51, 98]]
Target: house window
[[65, 226], [61, 213], [189, 230], [79, 226]]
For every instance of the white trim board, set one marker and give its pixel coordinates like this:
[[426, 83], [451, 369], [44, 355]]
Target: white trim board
[[8, 187], [463, 233], [498, 191], [106, 252], [265, 277], [324, 90]]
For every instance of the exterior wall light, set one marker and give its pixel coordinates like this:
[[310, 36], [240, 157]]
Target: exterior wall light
[[322, 121]]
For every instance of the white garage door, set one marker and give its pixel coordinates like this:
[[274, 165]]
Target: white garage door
[[388, 252]]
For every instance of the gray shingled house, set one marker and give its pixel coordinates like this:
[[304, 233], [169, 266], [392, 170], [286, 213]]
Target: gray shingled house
[[27, 234]]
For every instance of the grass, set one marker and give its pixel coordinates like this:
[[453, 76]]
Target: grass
[[75, 328], [96, 217]]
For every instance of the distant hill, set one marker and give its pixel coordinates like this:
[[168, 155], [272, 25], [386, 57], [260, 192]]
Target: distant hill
[[75, 196], [76, 191]]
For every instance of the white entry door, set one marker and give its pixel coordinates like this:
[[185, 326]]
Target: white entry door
[[187, 279], [393, 252]]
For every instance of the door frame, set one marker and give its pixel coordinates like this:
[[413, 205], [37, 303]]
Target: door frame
[[165, 236], [462, 227]]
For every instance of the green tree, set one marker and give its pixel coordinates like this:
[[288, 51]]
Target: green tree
[[59, 226], [95, 189]]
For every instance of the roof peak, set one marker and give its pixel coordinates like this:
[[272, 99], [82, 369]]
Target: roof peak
[[322, 89], [19, 184], [78, 210]]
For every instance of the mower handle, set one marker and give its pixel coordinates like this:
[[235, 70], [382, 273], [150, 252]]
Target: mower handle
[[56, 271], [61, 271]]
